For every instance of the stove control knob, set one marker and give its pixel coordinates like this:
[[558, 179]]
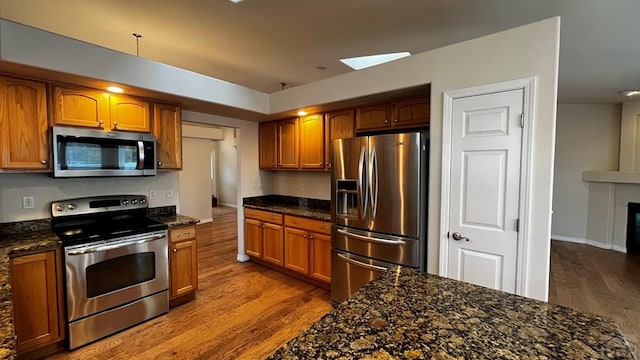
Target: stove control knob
[[142, 201], [71, 206], [60, 207], [134, 201], [125, 202]]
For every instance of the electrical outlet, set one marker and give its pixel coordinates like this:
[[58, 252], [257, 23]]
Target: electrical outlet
[[152, 194], [28, 202], [301, 187], [169, 193]]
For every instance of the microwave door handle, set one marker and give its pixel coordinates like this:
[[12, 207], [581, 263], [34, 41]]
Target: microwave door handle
[[140, 155]]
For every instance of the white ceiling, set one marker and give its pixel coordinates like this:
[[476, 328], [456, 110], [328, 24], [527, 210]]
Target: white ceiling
[[261, 43]]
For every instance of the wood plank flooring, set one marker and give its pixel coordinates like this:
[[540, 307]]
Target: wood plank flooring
[[246, 311], [241, 311], [604, 282]]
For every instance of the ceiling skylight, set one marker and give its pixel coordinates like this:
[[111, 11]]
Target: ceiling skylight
[[362, 62]]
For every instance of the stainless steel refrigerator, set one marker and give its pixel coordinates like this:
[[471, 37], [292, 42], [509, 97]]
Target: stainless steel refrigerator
[[378, 207]]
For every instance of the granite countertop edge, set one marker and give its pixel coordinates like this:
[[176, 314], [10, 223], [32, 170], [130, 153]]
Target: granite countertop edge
[[287, 210]]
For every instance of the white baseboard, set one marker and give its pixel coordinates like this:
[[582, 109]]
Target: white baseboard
[[204, 221], [242, 258], [228, 205], [589, 242]]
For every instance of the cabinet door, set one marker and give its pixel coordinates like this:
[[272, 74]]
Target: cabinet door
[[128, 113], [411, 112], [80, 107], [338, 125], [184, 268], [288, 144], [267, 145], [296, 250], [167, 127], [312, 144], [253, 237], [320, 259], [35, 301], [373, 117], [24, 140], [272, 243]]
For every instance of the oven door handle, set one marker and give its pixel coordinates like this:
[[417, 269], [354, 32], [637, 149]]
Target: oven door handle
[[117, 245]]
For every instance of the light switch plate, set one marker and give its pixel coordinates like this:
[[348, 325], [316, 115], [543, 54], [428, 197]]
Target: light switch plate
[[169, 193]]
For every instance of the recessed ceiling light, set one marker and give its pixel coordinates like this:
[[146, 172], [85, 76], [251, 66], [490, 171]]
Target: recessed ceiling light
[[115, 89], [302, 113], [362, 62], [235, 1], [630, 92]]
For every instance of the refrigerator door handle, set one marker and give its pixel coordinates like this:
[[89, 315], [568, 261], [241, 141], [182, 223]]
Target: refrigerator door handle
[[362, 183], [371, 239], [373, 182], [361, 264]]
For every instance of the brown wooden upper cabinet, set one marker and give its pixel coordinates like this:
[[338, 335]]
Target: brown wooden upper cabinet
[[404, 113], [312, 142], [95, 108], [268, 145], [338, 125], [24, 132], [287, 140], [167, 127]]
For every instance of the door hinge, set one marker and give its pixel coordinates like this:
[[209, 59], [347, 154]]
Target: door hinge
[[517, 225], [522, 120]]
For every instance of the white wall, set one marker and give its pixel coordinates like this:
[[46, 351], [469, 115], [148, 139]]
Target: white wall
[[314, 185], [527, 51], [195, 179], [587, 138], [46, 189], [252, 181], [227, 172]]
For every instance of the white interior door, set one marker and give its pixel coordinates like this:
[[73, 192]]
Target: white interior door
[[486, 140]]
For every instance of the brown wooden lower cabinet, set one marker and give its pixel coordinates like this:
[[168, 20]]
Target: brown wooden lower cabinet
[[296, 250], [183, 264], [36, 284], [301, 247]]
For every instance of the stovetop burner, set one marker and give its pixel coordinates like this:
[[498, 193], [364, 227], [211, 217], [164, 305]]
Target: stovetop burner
[[90, 219]]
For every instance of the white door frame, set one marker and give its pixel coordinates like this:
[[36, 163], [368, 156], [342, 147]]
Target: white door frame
[[528, 85]]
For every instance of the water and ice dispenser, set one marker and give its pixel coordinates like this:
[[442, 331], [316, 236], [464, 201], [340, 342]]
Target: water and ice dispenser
[[347, 198]]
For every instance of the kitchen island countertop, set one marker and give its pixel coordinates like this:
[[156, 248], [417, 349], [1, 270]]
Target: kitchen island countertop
[[406, 314]]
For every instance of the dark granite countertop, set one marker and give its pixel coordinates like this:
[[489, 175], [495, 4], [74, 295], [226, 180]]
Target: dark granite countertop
[[14, 245], [168, 215], [290, 205], [405, 314]]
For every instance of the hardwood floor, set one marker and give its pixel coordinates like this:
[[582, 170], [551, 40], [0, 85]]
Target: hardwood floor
[[246, 311], [604, 282], [241, 310]]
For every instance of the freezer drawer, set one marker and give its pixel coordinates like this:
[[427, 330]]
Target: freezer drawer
[[393, 249], [351, 272]]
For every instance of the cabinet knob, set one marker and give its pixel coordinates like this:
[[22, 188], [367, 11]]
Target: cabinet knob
[[320, 164], [100, 122], [43, 162], [115, 124], [304, 236], [329, 165], [159, 163], [174, 250], [386, 121], [310, 236], [395, 120]]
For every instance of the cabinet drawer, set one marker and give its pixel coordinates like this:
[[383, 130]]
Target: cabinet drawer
[[263, 216], [307, 224], [182, 233]]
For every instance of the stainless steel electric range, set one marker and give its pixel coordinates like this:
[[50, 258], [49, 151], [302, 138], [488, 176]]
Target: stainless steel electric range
[[116, 264]]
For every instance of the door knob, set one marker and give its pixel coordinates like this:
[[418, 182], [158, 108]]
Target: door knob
[[457, 237]]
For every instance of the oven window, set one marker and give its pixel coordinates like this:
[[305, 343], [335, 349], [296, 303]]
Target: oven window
[[119, 273]]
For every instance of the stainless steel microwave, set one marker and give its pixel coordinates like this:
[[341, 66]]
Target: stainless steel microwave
[[79, 152]]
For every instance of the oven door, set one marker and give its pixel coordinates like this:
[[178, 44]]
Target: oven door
[[106, 274]]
